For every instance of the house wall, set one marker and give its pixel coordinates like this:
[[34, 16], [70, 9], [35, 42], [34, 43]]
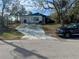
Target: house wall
[[31, 19]]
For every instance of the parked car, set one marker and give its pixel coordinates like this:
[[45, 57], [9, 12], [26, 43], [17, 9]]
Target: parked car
[[68, 30]]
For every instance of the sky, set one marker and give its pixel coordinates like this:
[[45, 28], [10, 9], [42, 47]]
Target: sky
[[0, 4], [30, 6], [35, 8]]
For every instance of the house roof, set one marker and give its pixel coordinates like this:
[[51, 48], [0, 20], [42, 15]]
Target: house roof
[[35, 14], [38, 14]]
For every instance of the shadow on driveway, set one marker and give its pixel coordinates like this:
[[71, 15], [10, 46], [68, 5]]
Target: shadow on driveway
[[25, 53]]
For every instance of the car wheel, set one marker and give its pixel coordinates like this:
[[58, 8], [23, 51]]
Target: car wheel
[[67, 35]]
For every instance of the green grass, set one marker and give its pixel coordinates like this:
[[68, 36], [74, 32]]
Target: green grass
[[11, 35]]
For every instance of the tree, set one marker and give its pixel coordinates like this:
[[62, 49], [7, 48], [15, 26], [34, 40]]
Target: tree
[[22, 11], [15, 8], [74, 12], [5, 5], [61, 7], [18, 11]]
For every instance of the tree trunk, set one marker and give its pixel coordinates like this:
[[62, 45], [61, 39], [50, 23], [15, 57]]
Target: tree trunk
[[2, 26], [2, 17]]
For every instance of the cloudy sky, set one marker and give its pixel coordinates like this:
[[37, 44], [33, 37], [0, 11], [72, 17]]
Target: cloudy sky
[[32, 5]]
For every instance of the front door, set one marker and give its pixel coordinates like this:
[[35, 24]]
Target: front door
[[25, 21]]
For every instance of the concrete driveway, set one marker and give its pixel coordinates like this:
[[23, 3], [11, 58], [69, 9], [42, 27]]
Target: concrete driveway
[[39, 49]]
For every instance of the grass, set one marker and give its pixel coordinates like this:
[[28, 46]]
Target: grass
[[52, 26], [51, 29], [11, 35]]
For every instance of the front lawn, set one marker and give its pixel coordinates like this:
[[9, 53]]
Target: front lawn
[[51, 29], [11, 34]]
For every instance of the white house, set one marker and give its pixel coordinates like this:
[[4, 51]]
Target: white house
[[32, 18]]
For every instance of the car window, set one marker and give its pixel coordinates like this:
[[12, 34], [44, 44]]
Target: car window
[[78, 26], [72, 26]]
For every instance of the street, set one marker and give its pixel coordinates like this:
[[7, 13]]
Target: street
[[39, 49]]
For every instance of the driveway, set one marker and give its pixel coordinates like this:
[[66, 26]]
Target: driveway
[[39, 49], [33, 31]]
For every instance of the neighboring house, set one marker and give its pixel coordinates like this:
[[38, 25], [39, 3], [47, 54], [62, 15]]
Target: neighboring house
[[36, 18]]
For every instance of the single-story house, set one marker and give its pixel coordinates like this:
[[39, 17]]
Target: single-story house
[[36, 18]]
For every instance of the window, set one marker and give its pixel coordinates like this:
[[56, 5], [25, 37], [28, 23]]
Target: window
[[36, 18]]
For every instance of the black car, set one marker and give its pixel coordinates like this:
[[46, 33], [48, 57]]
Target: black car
[[68, 30]]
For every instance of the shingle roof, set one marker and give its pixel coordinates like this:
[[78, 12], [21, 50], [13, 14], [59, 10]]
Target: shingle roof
[[36, 14]]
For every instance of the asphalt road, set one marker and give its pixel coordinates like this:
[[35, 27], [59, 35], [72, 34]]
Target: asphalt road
[[39, 49]]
